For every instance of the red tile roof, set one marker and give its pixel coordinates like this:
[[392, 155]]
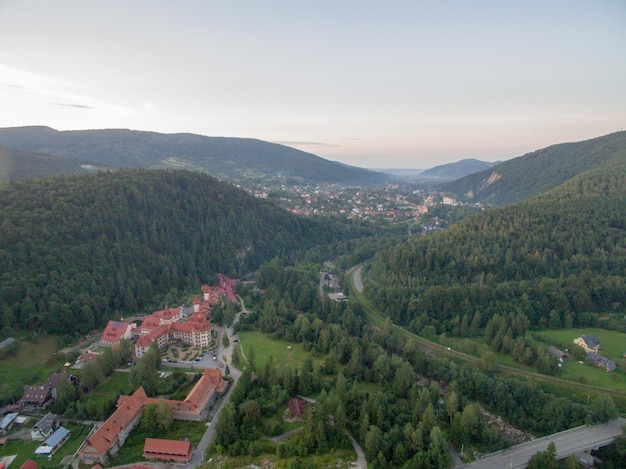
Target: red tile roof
[[114, 331], [29, 464], [146, 339], [210, 382], [167, 450], [129, 408], [107, 435], [297, 407]]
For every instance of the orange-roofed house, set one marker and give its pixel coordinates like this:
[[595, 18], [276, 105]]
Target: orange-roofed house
[[116, 331], [212, 294], [203, 307], [29, 464], [167, 450]]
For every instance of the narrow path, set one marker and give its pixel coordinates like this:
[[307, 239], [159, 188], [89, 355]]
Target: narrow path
[[283, 436], [361, 462]]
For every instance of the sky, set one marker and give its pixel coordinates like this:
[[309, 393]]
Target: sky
[[395, 84]]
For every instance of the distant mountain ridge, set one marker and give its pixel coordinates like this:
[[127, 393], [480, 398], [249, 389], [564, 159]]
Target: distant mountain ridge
[[224, 157], [17, 164], [540, 171], [457, 170]]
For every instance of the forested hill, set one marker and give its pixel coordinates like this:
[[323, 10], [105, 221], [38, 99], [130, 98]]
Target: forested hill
[[75, 250], [16, 164], [555, 260], [538, 172], [453, 171], [232, 158]]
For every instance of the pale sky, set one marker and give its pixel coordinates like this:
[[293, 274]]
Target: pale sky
[[406, 84]]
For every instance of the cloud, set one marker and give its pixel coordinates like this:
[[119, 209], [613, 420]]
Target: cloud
[[77, 106], [13, 85], [44, 90], [305, 144]]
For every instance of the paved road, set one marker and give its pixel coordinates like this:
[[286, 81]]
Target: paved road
[[574, 440], [567, 442], [356, 278], [198, 455]]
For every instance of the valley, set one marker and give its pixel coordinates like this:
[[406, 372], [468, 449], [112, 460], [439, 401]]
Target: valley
[[455, 315]]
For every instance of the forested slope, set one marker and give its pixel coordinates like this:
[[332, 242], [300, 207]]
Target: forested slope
[[540, 171], [232, 158], [75, 250], [554, 260], [16, 164]]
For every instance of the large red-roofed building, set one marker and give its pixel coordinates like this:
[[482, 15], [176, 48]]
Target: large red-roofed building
[[196, 331], [112, 434], [167, 450]]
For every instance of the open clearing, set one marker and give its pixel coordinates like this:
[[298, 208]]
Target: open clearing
[[284, 353], [32, 364], [612, 343]]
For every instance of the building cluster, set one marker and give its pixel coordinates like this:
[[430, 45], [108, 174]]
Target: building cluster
[[390, 203], [111, 435], [189, 325], [591, 344], [48, 430], [173, 324]]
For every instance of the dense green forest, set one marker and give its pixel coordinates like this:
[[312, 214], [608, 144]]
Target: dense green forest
[[78, 250], [558, 260], [403, 406], [538, 172]]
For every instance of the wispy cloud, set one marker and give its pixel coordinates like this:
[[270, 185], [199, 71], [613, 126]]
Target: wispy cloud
[[305, 143], [77, 106], [50, 90], [13, 85]]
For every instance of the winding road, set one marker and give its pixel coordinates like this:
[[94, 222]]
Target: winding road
[[567, 442]]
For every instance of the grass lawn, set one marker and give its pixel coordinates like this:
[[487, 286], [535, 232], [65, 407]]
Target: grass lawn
[[284, 353], [132, 451], [32, 364], [590, 374], [118, 381], [612, 343], [26, 449]]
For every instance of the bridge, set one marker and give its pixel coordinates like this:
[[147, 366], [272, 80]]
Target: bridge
[[575, 440]]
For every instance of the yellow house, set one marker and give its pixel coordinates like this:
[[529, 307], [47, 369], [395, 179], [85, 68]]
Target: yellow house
[[589, 342]]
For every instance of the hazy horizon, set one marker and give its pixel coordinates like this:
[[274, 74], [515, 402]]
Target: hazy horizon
[[399, 85]]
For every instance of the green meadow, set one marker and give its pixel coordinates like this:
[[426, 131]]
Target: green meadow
[[32, 364], [283, 353], [24, 450], [612, 343]]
